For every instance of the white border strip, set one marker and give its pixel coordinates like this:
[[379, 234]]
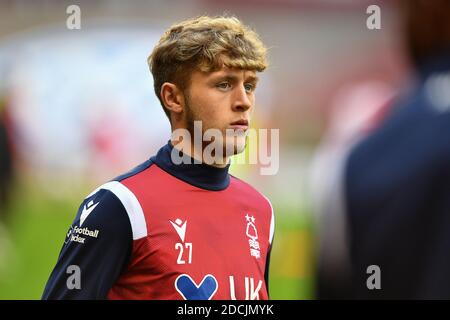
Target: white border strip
[[272, 221], [131, 204]]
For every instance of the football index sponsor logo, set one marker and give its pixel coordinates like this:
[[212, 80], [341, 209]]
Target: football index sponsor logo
[[78, 234]]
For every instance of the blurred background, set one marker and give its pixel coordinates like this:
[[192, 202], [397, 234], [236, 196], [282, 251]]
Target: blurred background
[[77, 108]]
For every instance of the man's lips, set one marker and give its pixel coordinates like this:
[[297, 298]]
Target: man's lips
[[239, 125]]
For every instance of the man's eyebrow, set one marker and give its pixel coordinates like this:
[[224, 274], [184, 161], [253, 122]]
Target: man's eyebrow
[[252, 79], [230, 77]]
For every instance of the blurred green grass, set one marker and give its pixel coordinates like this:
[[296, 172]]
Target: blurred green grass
[[37, 229], [39, 223]]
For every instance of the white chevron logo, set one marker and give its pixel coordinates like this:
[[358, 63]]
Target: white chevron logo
[[180, 228], [87, 211]]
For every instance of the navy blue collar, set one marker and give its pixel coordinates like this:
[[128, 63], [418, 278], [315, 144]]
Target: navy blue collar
[[199, 175], [438, 63]]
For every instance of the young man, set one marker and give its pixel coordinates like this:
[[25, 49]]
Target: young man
[[172, 229]]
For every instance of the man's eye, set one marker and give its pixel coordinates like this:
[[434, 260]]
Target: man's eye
[[223, 85], [249, 87]]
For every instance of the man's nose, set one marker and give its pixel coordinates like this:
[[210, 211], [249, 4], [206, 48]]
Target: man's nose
[[242, 100]]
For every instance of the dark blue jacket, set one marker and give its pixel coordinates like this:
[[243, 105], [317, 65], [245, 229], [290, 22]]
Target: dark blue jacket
[[397, 186]]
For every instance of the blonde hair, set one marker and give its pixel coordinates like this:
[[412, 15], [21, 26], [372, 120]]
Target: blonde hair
[[205, 44]]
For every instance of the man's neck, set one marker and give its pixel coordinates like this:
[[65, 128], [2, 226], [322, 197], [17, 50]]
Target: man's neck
[[196, 152]]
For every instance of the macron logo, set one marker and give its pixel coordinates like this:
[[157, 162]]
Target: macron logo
[[180, 228], [87, 211]]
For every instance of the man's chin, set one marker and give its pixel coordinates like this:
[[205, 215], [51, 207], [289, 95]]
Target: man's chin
[[235, 148]]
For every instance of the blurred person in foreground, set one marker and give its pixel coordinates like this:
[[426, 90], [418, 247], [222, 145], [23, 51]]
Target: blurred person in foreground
[[6, 166], [6, 183], [179, 226], [390, 204]]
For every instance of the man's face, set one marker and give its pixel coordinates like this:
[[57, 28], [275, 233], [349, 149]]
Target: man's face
[[222, 100]]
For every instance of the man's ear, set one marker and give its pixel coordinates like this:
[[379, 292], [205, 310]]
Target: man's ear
[[172, 97]]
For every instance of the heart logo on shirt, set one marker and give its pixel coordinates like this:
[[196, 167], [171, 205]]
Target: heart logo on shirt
[[189, 290]]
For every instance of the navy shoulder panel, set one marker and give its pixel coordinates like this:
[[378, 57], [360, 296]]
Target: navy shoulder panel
[[96, 250], [134, 171]]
